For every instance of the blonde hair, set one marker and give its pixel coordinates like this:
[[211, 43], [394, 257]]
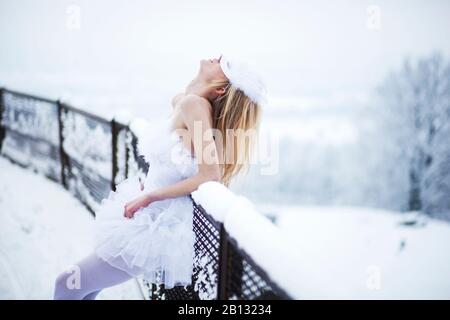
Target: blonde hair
[[234, 111]]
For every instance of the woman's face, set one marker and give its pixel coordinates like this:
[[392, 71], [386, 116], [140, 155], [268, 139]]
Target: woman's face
[[210, 69]]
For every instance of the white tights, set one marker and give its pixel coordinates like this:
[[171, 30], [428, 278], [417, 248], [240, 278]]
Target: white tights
[[87, 278]]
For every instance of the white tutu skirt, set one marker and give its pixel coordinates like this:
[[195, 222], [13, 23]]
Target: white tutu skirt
[[158, 242]]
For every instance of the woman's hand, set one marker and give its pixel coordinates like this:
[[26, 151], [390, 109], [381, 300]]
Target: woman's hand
[[134, 205]]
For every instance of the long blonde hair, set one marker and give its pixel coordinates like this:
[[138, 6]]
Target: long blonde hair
[[234, 112]]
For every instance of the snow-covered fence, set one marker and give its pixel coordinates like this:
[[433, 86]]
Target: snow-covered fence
[[26, 132], [221, 256], [222, 268], [89, 155]]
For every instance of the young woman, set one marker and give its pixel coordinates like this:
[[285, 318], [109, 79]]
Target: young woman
[[146, 229]]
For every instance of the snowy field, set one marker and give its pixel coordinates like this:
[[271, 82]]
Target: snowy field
[[43, 229], [362, 253]]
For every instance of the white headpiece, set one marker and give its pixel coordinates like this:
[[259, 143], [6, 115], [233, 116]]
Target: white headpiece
[[245, 79]]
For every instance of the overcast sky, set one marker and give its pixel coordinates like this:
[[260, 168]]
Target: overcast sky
[[304, 49]]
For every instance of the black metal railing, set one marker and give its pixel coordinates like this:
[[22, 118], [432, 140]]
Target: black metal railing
[[222, 270], [61, 142]]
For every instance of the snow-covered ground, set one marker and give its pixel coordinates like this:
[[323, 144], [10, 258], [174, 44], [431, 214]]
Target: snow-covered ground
[[365, 253], [43, 229]]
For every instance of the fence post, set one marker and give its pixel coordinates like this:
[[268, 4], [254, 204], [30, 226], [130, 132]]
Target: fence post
[[222, 293], [114, 153], [2, 108], [127, 150], [62, 158]]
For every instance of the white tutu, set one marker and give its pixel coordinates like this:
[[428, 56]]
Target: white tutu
[[158, 242]]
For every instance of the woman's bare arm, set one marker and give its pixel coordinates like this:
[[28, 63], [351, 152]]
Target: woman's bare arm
[[196, 111]]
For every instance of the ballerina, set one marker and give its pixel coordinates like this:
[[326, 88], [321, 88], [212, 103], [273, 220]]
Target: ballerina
[[145, 229]]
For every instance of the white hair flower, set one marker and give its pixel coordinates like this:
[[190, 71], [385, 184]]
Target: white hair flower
[[244, 78]]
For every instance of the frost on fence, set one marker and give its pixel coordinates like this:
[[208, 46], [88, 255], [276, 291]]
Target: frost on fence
[[32, 117], [137, 164], [87, 143], [205, 283], [32, 135], [123, 143], [206, 261]]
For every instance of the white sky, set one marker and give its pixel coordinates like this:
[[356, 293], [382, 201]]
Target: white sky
[[152, 48]]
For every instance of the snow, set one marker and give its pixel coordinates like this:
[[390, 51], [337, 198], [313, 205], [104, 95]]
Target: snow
[[214, 190], [264, 242], [140, 126], [123, 116], [25, 153], [246, 226], [44, 229], [20, 115], [311, 252], [206, 281], [364, 253], [88, 142], [123, 142], [338, 252]]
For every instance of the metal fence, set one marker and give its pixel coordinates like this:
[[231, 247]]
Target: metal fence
[[61, 142]]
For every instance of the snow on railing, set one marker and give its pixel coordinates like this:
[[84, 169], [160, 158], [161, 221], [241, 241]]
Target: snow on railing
[[254, 234], [237, 250]]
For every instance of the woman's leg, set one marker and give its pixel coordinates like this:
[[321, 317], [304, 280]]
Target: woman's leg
[[92, 295], [85, 279]]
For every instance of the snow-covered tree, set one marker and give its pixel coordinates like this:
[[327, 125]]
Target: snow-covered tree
[[416, 115]]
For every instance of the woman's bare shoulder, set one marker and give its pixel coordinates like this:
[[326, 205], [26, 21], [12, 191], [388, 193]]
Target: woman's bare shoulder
[[177, 98], [192, 104]]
